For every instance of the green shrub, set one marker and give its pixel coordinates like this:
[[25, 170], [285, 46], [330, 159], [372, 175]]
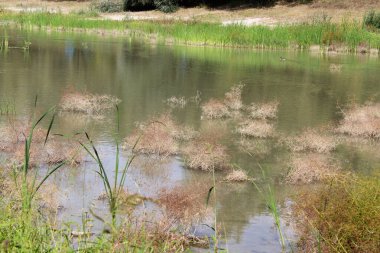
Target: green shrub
[[137, 5], [108, 5], [372, 19]]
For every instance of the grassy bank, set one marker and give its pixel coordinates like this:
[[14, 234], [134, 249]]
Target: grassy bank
[[348, 37]]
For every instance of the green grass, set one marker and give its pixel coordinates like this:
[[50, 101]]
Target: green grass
[[322, 33]]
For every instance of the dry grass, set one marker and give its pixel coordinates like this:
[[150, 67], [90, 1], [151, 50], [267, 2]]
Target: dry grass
[[345, 4], [155, 137], [361, 121], [263, 110], [311, 168], [232, 98], [311, 141], [87, 103], [186, 203], [215, 109], [237, 176], [256, 128], [55, 151], [255, 147], [206, 154], [176, 102]]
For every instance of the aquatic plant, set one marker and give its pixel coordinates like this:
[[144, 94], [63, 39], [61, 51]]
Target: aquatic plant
[[325, 34], [342, 215], [311, 168], [263, 110], [311, 141], [361, 120], [215, 109], [256, 147], [205, 155], [185, 202], [113, 190], [29, 185], [256, 128], [156, 136], [174, 102], [237, 176], [335, 68], [232, 98], [87, 103]]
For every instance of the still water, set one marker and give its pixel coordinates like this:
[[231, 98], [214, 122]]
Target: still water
[[143, 76]]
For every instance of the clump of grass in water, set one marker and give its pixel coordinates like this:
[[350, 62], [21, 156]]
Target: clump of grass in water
[[87, 103], [311, 141], [361, 121], [311, 168]]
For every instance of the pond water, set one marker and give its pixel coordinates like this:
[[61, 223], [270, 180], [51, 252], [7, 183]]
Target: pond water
[[144, 75]]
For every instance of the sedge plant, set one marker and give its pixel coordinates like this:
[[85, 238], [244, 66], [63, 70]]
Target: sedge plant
[[29, 188], [113, 190]]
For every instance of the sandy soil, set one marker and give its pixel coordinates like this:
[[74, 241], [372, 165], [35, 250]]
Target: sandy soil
[[279, 14]]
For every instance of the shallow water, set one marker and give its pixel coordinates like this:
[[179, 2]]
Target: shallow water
[[145, 75]]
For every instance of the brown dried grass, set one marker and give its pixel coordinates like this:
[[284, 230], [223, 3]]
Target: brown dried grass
[[263, 110], [215, 109], [361, 120], [154, 137], [255, 147], [232, 98], [186, 203], [87, 103], [237, 176], [311, 168], [205, 154], [256, 128], [311, 141]]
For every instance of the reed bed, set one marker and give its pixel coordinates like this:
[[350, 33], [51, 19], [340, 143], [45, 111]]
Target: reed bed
[[324, 33]]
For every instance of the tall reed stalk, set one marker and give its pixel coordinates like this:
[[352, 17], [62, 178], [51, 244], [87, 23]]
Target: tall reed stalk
[[112, 189], [29, 188]]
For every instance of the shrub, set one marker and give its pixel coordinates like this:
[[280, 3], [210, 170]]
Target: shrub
[[166, 5], [372, 19], [342, 216], [256, 128], [107, 5]]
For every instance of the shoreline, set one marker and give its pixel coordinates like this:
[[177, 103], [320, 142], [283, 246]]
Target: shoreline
[[321, 37]]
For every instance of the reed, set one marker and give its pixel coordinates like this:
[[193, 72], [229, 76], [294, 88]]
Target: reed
[[301, 36], [113, 190], [30, 186]]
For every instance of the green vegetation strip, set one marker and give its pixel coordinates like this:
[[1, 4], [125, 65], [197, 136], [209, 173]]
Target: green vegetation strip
[[350, 35]]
